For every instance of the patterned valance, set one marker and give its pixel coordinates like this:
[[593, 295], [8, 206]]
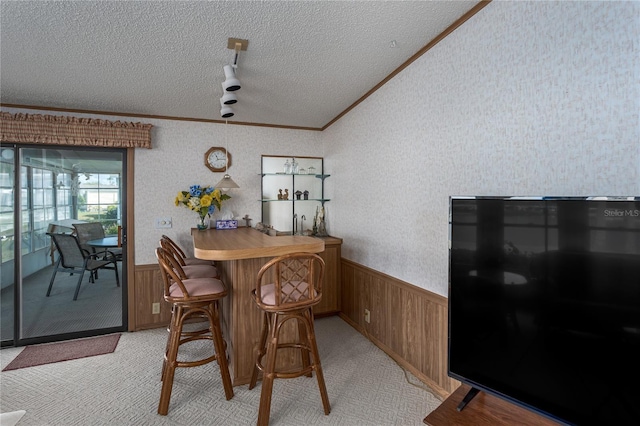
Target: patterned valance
[[62, 130]]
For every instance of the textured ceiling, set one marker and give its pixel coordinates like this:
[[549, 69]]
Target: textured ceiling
[[306, 63]]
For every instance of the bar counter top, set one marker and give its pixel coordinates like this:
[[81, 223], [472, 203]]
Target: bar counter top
[[247, 243]]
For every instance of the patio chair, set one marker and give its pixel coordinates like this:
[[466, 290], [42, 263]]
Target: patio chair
[[92, 231], [75, 259]]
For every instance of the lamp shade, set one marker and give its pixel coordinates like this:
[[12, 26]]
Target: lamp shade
[[226, 183], [231, 83]]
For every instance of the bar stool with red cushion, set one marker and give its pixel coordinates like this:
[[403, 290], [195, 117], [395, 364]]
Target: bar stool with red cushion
[[191, 297], [287, 288], [168, 244]]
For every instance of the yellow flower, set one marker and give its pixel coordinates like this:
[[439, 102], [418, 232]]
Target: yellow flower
[[205, 200], [181, 198]]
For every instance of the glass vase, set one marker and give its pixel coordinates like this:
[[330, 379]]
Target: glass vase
[[203, 223]]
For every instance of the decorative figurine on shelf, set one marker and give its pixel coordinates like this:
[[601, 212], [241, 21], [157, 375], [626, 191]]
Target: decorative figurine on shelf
[[322, 228], [306, 194], [280, 194], [294, 166], [298, 194], [315, 223], [286, 194], [287, 167]]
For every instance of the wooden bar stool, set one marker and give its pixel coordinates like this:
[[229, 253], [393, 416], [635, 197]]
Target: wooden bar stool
[[189, 271], [170, 245], [287, 288], [191, 297]]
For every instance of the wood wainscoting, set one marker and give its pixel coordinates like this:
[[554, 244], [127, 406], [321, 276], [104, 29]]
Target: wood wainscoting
[[147, 290], [407, 322]]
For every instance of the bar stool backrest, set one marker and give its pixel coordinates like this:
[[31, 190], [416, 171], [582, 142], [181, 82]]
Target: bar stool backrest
[[289, 282], [171, 272], [168, 244]]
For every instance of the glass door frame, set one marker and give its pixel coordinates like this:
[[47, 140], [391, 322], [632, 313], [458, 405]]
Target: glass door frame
[[126, 197]]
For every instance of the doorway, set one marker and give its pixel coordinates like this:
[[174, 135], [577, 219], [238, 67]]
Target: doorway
[[47, 190]]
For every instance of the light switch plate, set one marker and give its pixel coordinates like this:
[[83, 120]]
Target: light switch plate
[[163, 222]]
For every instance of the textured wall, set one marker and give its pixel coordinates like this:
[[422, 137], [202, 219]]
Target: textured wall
[[177, 161], [526, 98]]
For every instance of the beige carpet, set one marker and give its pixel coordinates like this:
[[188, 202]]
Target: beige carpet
[[365, 387]]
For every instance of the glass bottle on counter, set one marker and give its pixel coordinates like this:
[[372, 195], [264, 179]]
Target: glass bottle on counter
[[287, 167], [294, 166]]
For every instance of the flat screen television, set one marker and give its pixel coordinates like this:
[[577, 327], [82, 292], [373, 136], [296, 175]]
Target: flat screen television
[[544, 304]]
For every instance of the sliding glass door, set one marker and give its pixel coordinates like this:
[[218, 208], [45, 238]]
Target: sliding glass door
[[8, 215], [48, 191]]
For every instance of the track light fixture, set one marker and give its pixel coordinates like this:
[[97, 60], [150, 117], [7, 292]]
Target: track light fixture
[[231, 82]]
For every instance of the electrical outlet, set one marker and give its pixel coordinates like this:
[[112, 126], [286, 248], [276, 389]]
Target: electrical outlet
[[367, 316], [155, 308], [163, 222]]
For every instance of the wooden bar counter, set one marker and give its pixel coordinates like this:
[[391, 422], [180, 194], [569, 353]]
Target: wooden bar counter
[[239, 255]]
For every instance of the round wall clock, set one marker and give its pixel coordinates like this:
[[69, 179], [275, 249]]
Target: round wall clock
[[217, 159]]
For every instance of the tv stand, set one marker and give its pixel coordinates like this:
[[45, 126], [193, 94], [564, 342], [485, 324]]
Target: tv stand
[[482, 409], [467, 398]]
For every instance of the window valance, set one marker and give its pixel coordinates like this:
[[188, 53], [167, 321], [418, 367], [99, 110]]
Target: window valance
[[64, 130]]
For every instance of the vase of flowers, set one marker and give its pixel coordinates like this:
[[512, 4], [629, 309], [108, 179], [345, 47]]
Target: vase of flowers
[[202, 223], [203, 200]]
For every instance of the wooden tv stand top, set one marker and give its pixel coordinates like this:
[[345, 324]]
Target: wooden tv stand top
[[483, 410]]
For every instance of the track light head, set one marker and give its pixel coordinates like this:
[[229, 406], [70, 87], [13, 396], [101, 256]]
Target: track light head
[[226, 111], [231, 83], [228, 98]]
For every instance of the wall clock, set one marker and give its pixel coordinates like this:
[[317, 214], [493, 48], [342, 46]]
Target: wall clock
[[217, 159]]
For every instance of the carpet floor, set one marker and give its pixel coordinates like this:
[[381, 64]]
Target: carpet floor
[[365, 387]]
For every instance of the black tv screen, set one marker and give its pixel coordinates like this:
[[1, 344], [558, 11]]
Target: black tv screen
[[544, 304]]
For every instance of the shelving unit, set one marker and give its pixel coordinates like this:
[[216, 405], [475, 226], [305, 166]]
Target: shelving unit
[[291, 215]]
